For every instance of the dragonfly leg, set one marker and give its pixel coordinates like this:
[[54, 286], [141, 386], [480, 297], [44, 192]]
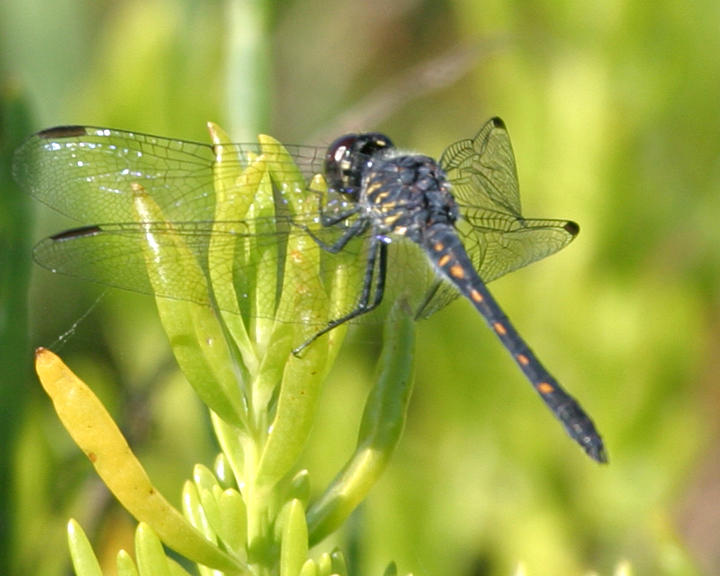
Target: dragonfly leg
[[377, 253], [356, 229], [333, 219]]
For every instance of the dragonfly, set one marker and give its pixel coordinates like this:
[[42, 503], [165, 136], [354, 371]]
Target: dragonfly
[[398, 219]]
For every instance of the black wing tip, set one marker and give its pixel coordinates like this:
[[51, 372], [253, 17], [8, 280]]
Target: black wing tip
[[572, 228], [498, 122], [73, 233], [62, 132]]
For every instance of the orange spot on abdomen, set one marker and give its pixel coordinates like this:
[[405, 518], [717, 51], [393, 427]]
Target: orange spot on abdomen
[[456, 271], [545, 388]]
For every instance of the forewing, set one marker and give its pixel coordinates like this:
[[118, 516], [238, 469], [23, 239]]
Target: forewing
[[482, 170], [89, 173]]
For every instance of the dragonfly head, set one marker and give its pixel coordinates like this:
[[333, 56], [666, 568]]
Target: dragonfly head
[[349, 156]]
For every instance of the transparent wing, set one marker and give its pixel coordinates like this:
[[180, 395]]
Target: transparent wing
[[496, 236], [92, 174], [483, 171], [87, 173], [115, 255]]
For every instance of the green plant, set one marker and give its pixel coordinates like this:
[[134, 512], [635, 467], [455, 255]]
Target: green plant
[[252, 513]]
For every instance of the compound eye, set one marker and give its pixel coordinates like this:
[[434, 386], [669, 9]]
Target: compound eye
[[372, 142], [337, 160], [347, 158], [337, 151]]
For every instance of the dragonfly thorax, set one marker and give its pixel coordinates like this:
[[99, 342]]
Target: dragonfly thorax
[[406, 194]]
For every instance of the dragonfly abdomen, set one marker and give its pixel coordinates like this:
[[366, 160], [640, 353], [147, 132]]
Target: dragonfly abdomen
[[448, 254]]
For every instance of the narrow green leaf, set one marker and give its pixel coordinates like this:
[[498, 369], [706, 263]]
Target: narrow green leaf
[[230, 443], [223, 472], [83, 558], [125, 564], [284, 173], [303, 297], [233, 519], [338, 562], [233, 249], [294, 542], [194, 510], [211, 508], [299, 487], [294, 416], [380, 430], [324, 564], [309, 568], [204, 479], [149, 552], [197, 338]]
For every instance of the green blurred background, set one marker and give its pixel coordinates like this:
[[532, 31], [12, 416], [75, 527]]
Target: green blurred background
[[613, 112]]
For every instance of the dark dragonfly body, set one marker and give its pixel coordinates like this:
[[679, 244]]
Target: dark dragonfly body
[[463, 212], [406, 195]]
